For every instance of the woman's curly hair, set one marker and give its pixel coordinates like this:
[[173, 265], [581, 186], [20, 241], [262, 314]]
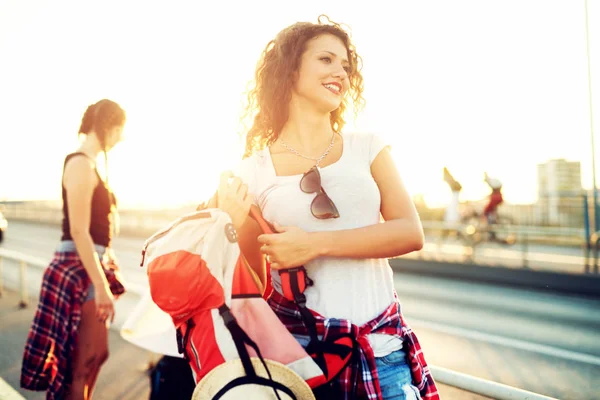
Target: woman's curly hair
[[268, 100]]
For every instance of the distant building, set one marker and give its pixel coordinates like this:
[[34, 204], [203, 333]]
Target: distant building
[[556, 177], [559, 193]]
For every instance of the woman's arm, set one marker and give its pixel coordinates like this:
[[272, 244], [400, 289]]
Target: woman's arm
[[247, 231], [248, 241], [401, 233]]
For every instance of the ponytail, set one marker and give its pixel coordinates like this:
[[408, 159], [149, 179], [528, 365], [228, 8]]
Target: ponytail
[[87, 122], [100, 117]]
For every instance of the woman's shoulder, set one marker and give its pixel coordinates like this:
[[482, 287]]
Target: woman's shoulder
[[257, 160], [249, 168], [364, 142], [364, 146], [79, 169], [360, 137], [79, 160]]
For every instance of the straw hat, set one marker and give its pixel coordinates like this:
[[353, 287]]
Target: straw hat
[[216, 379]]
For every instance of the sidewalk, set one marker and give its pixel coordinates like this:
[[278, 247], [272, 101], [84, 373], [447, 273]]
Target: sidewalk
[[123, 377]]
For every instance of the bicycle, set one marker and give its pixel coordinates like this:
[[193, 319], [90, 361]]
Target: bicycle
[[497, 228]]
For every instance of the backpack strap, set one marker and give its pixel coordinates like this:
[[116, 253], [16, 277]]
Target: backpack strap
[[183, 340], [241, 339], [294, 282]]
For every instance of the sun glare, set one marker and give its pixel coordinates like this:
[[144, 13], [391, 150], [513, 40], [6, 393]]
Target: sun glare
[[181, 78]]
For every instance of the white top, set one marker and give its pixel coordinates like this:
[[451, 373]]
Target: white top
[[452, 215], [354, 289]]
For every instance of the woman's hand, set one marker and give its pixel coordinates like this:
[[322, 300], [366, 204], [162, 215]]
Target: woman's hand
[[105, 303], [291, 247], [233, 198], [110, 256]]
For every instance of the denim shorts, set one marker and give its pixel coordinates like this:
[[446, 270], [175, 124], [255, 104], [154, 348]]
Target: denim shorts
[[68, 246], [395, 377]]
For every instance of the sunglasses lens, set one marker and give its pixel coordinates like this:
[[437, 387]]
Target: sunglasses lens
[[311, 181], [323, 208]]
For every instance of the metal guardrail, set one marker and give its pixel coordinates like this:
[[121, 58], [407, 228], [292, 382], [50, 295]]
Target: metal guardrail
[[483, 387], [592, 253], [23, 260], [530, 230], [155, 219], [473, 238], [143, 222], [446, 376], [524, 236]]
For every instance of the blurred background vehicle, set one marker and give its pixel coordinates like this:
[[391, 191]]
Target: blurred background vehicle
[[3, 226]]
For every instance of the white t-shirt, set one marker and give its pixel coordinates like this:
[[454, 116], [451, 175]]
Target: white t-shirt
[[354, 289], [452, 215]]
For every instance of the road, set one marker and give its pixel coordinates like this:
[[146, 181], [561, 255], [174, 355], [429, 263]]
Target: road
[[544, 342]]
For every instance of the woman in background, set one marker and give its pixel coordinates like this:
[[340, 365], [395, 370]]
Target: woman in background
[[68, 341]]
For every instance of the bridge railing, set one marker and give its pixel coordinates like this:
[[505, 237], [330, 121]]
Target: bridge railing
[[143, 220], [143, 223]]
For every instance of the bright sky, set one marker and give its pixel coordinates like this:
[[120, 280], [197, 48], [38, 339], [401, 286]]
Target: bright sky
[[475, 85]]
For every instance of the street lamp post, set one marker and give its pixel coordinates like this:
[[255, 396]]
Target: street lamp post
[[594, 189]]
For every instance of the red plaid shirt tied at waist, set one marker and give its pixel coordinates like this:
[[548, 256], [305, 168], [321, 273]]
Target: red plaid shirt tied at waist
[[390, 322], [53, 334]]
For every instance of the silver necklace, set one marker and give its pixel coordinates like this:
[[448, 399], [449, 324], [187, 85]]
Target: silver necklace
[[317, 159]]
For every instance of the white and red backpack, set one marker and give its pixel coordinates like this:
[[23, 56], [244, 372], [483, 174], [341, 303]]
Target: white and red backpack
[[199, 277]]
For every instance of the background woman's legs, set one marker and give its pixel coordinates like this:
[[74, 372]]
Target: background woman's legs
[[91, 352]]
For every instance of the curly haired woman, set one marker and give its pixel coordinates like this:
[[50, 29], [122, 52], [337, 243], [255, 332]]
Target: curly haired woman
[[338, 204]]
